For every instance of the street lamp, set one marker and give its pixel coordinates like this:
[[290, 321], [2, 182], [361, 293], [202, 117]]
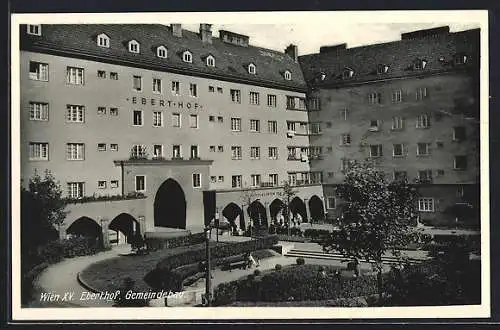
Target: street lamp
[[208, 274]]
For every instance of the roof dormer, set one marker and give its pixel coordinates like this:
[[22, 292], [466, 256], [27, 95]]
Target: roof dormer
[[252, 69], [419, 64], [210, 61], [103, 40], [161, 51], [460, 59], [348, 73], [187, 56], [134, 46], [288, 75], [382, 68]]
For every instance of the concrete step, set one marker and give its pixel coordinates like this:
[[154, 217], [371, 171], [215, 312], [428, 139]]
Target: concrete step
[[336, 256]]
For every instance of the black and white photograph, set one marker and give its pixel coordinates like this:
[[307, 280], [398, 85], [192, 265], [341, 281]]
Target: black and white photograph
[[250, 165]]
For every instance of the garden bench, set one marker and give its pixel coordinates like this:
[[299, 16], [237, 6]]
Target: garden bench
[[240, 261]]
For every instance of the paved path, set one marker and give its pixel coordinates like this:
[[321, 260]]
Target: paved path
[[61, 279]]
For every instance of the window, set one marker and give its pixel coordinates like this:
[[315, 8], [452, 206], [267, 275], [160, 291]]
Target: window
[[157, 85], [75, 151], [134, 47], [235, 152], [376, 150], [140, 183], [212, 148], [273, 179], [220, 119], [426, 204], [314, 104], [196, 180], [193, 121], [254, 152], [176, 87], [236, 124], [397, 123], [460, 191], [39, 151], [113, 111], [211, 118], [114, 184], [273, 153], [400, 175], [194, 152], [220, 178], [423, 121], [460, 163], [157, 119], [254, 125], [176, 120], [101, 110], [290, 102], [288, 75], [101, 74], [39, 71], [39, 111], [161, 52], [347, 73], [75, 113], [101, 147], [137, 83], [254, 98], [176, 151], [213, 179], [460, 59], [397, 96], [290, 126], [255, 180], [137, 118], [187, 57], [271, 101], [113, 75], [374, 98], [330, 202], [211, 61], [292, 179], [345, 139], [193, 90], [34, 29], [103, 40], [74, 76], [113, 147], [138, 152], [211, 89], [374, 125], [220, 148], [101, 184], [421, 93], [422, 149], [419, 64], [235, 95], [382, 68], [272, 126], [344, 114], [459, 133], [292, 153], [252, 69], [398, 150], [76, 189], [425, 176], [236, 181]]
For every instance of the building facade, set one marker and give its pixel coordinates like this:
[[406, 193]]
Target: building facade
[[412, 107]]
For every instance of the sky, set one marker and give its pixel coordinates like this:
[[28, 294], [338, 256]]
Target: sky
[[310, 37]]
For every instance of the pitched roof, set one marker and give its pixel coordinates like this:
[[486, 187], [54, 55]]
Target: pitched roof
[[79, 40], [399, 56]]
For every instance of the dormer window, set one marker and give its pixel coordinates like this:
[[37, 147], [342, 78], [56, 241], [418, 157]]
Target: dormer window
[[210, 61], [161, 52], [187, 57], [382, 68], [322, 76], [460, 59], [34, 29], [348, 73], [252, 69], [288, 75], [103, 40], [133, 46], [419, 64]]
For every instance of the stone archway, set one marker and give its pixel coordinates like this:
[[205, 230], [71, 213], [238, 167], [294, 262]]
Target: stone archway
[[316, 208], [297, 205], [85, 226], [125, 224], [170, 206], [275, 207], [257, 212], [231, 212]]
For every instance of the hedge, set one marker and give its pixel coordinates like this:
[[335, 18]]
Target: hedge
[[298, 239], [157, 243], [301, 282]]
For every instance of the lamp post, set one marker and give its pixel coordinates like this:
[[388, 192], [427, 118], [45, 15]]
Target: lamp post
[[208, 274], [216, 217]]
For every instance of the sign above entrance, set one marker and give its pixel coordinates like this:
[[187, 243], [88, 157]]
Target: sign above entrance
[[165, 103]]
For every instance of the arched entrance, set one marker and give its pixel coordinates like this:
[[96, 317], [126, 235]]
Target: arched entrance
[[297, 206], [231, 212], [125, 226], [275, 207], [85, 226], [316, 208], [257, 212], [170, 205]]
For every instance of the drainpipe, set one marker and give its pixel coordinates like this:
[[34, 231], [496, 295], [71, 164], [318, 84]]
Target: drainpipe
[[122, 170]]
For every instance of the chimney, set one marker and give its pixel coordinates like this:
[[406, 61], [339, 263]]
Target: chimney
[[334, 48], [425, 33], [176, 30], [293, 52], [206, 33]]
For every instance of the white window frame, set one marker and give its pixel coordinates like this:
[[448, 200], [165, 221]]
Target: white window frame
[[187, 57], [162, 52], [103, 40], [254, 98], [273, 153], [288, 75], [141, 118], [157, 85], [101, 184], [41, 72], [255, 153], [345, 139], [177, 124], [34, 29], [193, 90], [236, 179], [255, 125], [271, 100], [255, 180], [374, 98], [196, 154], [114, 184], [196, 177], [101, 146], [252, 69], [39, 148], [113, 147], [421, 93], [235, 95], [113, 75], [139, 79], [274, 179], [394, 150], [101, 110], [113, 111], [236, 124], [179, 154], [272, 126], [398, 123], [236, 153], [39, 111], [328, 203], [78, 187], [191, 121], [75, 151], [138, 151], [397, 96], [158, 119], [379, 152], [427, 145], [75, 75], [135, 183], [210, 60], [134, 47], [426, 204], [423, 121], [101, 74], [176, 88], [155, 155]]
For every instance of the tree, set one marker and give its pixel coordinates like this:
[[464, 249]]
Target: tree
[[377, 216], [288, 194]]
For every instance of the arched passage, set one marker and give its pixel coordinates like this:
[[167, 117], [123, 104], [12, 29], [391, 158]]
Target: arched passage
[[298, 206], [257, 213], [125, 224], [275, 207], [316, 208], [170, 205], [231, 212], [85, 226]]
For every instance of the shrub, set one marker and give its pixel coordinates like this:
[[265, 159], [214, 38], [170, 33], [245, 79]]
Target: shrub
[[278, 267], [160, 243], [300, 261], [316, 234], [257, 272]]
